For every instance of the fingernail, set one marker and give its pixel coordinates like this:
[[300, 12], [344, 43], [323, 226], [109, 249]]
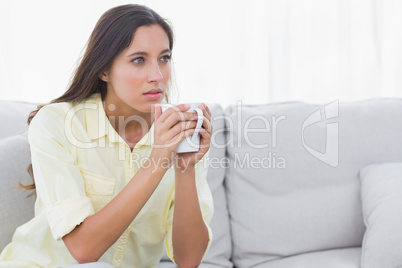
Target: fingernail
[[187, 106]]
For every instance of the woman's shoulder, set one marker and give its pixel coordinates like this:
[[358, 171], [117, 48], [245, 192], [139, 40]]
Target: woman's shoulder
[[51, 114], [58, 112], [54, 109], [48, 122], [52, 117]]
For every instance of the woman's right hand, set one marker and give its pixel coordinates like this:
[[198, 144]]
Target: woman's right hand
[[170, 128]]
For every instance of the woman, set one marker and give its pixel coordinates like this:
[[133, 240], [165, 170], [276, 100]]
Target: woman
[[108, 188]]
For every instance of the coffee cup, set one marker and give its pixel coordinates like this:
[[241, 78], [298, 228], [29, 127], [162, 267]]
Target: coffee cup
[[191, 143]]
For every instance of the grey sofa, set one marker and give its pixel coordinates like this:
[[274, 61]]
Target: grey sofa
[[294, 184]]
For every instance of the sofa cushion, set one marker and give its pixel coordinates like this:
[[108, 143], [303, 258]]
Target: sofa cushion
[[336, 258], [16, 207], [292, 184], [221, 248], [14, 117], [381, 190]]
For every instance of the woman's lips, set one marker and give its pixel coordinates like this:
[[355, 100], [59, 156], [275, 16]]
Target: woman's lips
[[153, 96]]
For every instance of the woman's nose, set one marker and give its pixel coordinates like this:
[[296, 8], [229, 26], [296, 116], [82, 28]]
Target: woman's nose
[[154, 73]]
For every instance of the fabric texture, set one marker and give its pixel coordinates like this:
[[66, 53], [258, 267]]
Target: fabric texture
[[80, 161], [302, 203], [381, 190]]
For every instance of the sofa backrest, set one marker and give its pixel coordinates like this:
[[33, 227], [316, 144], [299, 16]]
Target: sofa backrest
[[14, 115], [16, 206], [221, 248], [292, 184]]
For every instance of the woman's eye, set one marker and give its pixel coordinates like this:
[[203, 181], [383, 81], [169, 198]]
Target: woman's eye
[[165, 58], [138, 60]]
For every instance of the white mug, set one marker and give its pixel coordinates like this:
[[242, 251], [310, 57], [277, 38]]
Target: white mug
[[191, 143]]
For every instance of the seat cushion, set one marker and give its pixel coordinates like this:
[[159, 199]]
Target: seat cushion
[[337, 258]]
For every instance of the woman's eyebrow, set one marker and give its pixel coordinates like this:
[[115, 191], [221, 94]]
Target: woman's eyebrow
[[166, 50], [143, 53]]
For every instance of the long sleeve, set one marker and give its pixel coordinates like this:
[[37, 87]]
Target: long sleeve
[[59, 183]]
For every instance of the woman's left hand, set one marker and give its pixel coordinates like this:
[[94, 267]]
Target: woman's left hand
[[186, 161]]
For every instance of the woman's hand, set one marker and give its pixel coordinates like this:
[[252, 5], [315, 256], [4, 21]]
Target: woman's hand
[[184, 161], [171, 127]]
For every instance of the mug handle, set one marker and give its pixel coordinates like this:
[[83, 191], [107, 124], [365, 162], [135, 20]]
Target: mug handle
[[199, 124]]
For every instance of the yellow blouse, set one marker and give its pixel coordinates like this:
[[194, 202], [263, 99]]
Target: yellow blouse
[[80, 163]]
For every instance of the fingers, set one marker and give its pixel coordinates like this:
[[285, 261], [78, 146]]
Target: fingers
[[176, 118], [205, 140], [184, 125], [179, 109], [206, 124], [176, 124], [180, 115], [171, 116], [205, 110], [184, 129], [158, 111], [206, 130], [170, 145], [177, 139]]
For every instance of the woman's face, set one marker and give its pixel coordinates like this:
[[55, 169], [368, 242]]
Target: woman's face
[[140, 68]]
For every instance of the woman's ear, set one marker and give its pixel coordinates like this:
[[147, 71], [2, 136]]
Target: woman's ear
[[104, 76]]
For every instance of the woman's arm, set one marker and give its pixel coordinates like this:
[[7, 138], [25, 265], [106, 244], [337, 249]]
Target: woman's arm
[[89, 240], [190, 234]]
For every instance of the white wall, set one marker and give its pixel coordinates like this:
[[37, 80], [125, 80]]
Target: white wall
[[255, 51]]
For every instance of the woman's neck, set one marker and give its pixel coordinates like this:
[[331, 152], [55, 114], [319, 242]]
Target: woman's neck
[[128, 122]]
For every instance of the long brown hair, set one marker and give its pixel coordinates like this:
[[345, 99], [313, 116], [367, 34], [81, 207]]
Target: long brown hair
[[113, 33]]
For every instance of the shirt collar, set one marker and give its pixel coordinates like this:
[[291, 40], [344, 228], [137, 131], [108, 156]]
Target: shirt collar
[[98, 125]]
